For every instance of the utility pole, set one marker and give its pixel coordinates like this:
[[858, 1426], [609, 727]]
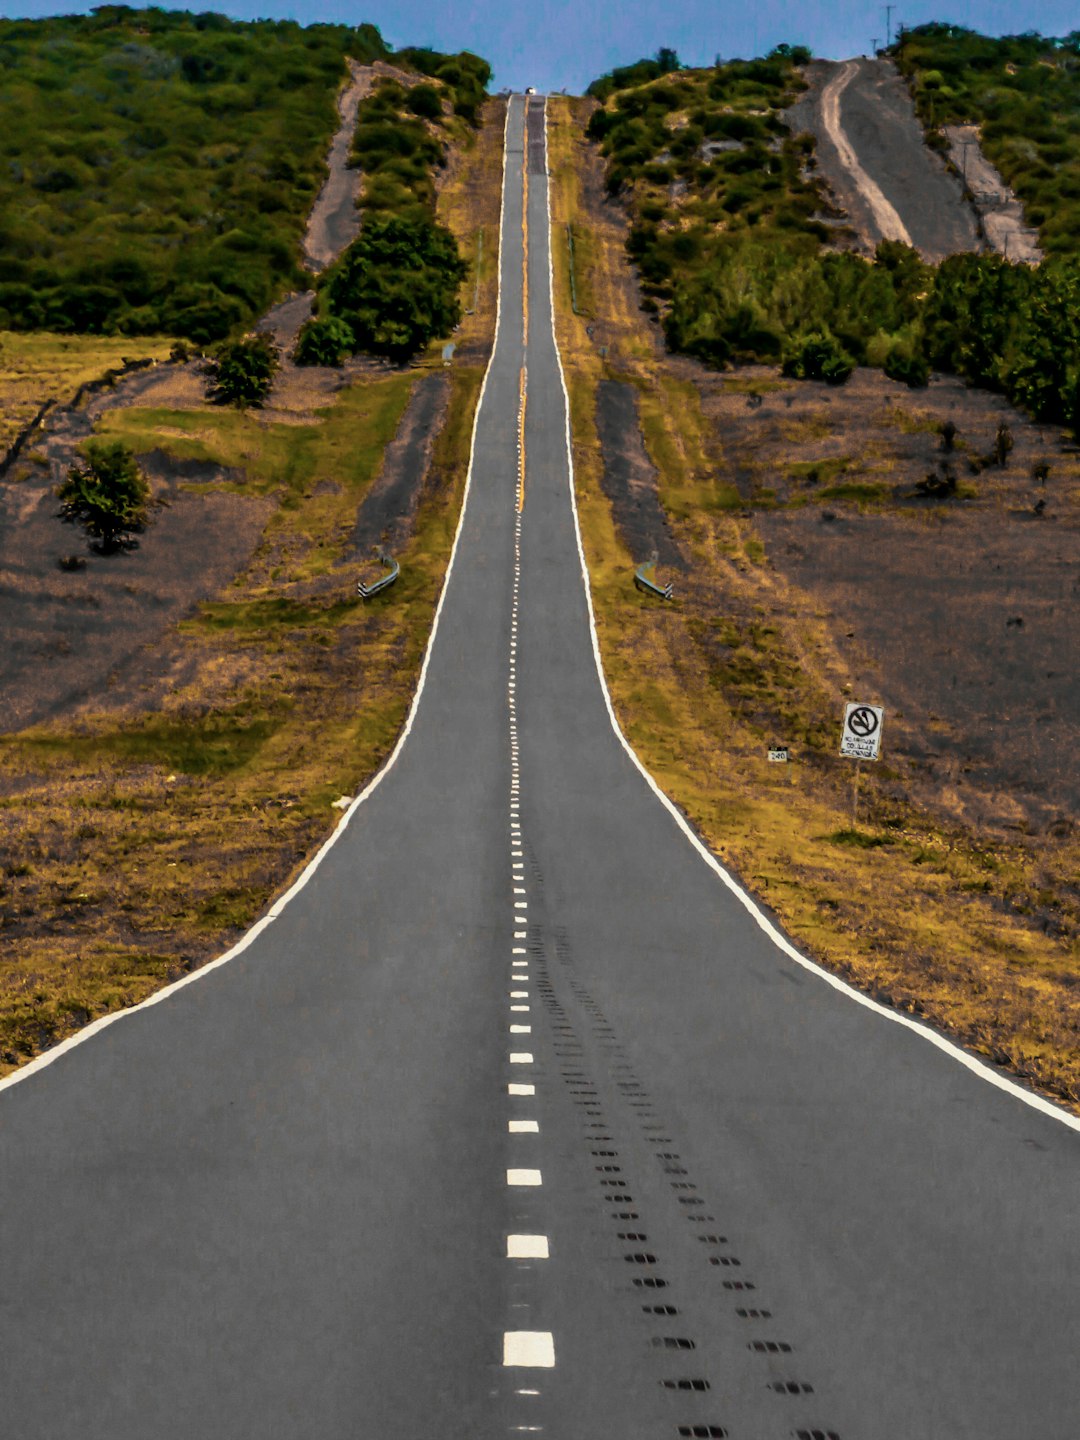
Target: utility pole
[[888, 23]]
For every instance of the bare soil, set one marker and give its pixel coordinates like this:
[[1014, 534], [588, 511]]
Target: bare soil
[[1001, 215], [387, 510], [889, 170], [959, 614], [630, 478]]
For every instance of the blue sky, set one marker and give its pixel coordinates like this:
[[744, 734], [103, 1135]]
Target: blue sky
[[557, 43]]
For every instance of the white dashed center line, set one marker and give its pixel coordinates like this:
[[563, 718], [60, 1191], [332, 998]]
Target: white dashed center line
[[524, 1127], [524, 1177], [521, 1089], [527, 1247], [535, 1348]]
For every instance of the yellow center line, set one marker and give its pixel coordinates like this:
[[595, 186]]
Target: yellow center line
[[522, 402], [524, 385]]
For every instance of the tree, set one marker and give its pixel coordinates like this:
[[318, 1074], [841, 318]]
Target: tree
[[396, 286], [108, 495], [242, 372]]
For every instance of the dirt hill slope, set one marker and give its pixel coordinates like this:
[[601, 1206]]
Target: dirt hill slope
[[870, 149]]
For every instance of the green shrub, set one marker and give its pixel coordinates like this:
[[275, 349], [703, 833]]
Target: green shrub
[[911, 369], [819, 357], [324, 341], [107, 495], [242, 372]]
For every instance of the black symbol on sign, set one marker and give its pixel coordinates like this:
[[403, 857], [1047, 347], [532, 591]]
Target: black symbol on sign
[[862, 722]]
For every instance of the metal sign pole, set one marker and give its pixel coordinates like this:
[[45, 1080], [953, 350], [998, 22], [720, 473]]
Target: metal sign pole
[[855, 796]]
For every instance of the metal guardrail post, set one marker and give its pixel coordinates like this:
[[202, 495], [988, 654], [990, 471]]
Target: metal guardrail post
[[384, 581]]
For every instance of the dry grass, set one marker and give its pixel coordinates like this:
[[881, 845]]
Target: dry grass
[[140, 837], [910, 906], [42, 367]]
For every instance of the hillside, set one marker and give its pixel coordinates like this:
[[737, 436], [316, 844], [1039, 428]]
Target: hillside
[[157, 168], [743, 269], [1023, 93]]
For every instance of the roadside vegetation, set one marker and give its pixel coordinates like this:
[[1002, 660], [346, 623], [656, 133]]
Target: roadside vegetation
[[157, 167], [1023, 91], [144, 828], [39, 370], [397, 287], [973, 928], [729, 233]]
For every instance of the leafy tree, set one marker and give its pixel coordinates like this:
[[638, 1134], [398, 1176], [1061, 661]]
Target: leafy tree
[[397, 285], [242, 372], [108, 495]]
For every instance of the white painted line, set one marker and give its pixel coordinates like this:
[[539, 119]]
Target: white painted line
[[520, 1057], [518, 950], [532, 1348], [521, 1089], [520, 1029], [527, 1247], [166, 992], [524, 1127], [519, 934], [519, 891], [524, 1008], [521, 904], [969, 1062], [519, 994], [524, 1177], [526, 1392]]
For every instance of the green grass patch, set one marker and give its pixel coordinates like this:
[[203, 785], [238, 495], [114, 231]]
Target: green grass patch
[[859, 839], [860, 492], [212, 744]]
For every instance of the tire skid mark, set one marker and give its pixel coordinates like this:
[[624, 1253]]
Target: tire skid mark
[[600, 1082]]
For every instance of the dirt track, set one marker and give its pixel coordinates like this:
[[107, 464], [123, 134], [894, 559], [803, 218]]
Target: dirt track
[[870, 149]]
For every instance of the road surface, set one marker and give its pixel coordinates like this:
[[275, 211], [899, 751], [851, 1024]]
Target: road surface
[[514, 1121]]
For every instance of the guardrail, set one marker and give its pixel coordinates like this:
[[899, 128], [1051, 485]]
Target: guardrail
[[650, 587], [384, 581]]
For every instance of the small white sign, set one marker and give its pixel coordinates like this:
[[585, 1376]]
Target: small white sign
[[778, 757], [861, 738]]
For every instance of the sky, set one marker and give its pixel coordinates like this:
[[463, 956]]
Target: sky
[[563, 44]]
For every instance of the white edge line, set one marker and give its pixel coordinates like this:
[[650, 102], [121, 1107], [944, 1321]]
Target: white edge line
[[96, 1026], [970, 1062]]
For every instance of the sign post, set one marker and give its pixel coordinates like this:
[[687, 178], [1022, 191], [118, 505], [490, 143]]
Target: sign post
[[861, 740]]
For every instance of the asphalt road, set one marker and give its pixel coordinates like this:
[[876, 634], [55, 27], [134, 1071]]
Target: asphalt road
[[277, 1203]]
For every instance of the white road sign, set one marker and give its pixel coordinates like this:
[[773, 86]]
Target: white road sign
[[862, 731]]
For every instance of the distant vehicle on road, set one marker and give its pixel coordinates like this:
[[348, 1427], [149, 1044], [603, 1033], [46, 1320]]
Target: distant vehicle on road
[[530, 89]]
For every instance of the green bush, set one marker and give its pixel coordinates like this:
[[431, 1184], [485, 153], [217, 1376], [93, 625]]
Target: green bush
[[324, 341], [911, 369], [107, 495], [242, 372], [819, 357]]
